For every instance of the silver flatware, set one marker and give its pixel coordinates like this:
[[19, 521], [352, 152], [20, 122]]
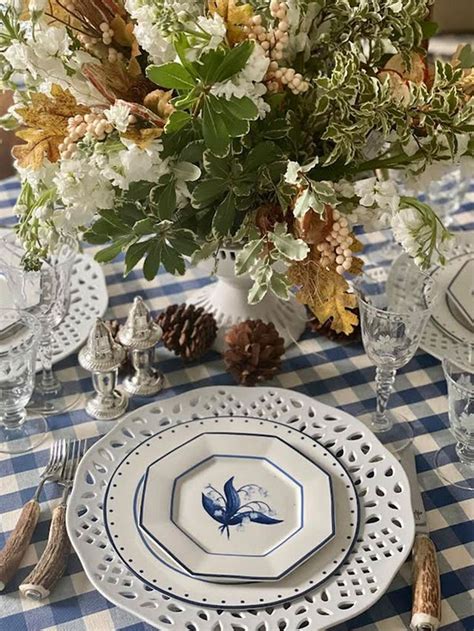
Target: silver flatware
[[52, 563], [19, 539], [426, 604]]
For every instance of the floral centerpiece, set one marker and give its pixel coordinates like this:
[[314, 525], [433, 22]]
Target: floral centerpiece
[[166, 128]]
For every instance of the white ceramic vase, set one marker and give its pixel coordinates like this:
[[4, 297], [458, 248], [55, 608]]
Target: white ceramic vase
[[227, 300]]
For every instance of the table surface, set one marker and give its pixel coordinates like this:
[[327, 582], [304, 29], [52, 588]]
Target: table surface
[[338, 374]]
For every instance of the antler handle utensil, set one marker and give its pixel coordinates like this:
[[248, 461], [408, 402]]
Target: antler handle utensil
[[18, 542], [53, 561], [426, 608]]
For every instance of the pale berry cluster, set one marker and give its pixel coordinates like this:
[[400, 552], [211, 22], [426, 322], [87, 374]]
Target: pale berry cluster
[[274, 41], [114, 55], [336, 247], [94, 124], [107, 33]]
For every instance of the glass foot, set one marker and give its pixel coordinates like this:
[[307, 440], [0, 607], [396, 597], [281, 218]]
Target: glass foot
[[18, 440], [50, 403], [451, 470], [398, 436]]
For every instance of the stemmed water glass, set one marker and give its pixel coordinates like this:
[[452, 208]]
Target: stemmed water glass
[[44, 292], [19, 337], [393, 315], [455, 464]]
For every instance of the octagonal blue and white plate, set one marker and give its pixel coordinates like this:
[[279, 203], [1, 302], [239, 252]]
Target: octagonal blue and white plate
[[230, 505]]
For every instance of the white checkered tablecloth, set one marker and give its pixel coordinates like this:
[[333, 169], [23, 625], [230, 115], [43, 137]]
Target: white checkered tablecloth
[[339, 374]]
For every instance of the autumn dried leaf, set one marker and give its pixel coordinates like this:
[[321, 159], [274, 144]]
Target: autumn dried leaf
[[326, 294], [236, 17], [124, 35], [46, 121], [142, 137]]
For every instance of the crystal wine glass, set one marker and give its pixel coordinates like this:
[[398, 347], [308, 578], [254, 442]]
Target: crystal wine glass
[[19, 337], [393, 315], [44, 293], [455, 464]]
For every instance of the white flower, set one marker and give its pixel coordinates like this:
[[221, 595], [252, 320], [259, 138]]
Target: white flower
[[214, 27], [83, 190], [405, 224], [256, 67], [18, 55], [51, 41], [117, 115], [344, 188], [375, 192]]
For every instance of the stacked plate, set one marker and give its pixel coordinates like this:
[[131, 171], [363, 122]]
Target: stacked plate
[[237, 509], [232, 500]]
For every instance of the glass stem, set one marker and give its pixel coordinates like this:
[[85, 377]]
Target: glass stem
[[465, 454], [48, 383], [384, 380], [13, 420]]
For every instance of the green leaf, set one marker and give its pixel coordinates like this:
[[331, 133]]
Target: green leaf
[[243, 108], [429, 29], [144, 226], [193, 151], [171, 75], [224, 215], [278, 128], [279, 286], [108, 254], [153, 260], [466, 56], [134, 254], [171, 260], [217, 167], [181, 46], [287, 245], [207, 191], [214, 129], [236, 127], [177, 121], [163, 199], [262, 280], [248, 256], [94, 238], [209, 64], [264, 153], [234, 61], [183, 241]]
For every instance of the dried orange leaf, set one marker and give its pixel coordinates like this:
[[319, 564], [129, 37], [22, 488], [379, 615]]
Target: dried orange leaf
[[326, 294], [142, 137], [46, 121], [123, 35], [235, 17]]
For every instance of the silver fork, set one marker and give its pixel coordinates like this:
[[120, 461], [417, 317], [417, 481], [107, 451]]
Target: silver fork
[[19, 539], [52, 563]]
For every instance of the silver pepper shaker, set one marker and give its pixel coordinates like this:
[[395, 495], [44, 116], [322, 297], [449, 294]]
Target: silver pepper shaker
[[102, 356], [140, 334]]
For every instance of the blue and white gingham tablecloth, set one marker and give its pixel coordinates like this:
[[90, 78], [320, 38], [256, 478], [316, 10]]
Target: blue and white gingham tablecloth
[[339, 374]]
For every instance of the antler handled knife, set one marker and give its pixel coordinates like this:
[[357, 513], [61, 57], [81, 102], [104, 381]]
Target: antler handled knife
[[426, 606]]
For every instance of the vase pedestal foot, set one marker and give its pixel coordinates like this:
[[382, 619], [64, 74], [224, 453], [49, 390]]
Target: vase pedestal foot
[[228, 304]]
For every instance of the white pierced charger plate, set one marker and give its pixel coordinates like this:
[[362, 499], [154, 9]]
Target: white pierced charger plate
[[445, 336], [89, 300], [276, 506], [384, 538]]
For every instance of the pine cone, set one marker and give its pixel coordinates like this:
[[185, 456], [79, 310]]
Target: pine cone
[[254, 351], [188, 331], [315, 326]]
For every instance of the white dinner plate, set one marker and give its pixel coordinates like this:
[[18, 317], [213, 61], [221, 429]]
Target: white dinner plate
[[235, 505], [146, 558]]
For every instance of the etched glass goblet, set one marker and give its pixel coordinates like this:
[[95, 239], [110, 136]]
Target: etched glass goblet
[[44, 293], [19, 338], [393, 315], [455, 464]]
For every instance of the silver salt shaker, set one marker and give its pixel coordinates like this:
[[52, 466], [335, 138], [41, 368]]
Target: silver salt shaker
[[102, 356], [140, 334]]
